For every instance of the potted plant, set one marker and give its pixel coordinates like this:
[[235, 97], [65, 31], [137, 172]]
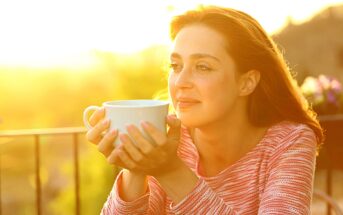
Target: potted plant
[[325, 94]]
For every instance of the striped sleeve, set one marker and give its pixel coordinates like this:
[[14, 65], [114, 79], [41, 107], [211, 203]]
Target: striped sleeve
[[290, 175], [115, 205]]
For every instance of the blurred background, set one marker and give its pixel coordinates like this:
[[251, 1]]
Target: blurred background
[[58, 57]]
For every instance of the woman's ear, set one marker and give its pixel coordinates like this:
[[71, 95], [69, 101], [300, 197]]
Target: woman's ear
[[248, 82]]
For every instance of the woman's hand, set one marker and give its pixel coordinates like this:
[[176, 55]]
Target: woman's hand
[[136, 153], [157, 158], [100, 136], [134, 184], [99, 127]]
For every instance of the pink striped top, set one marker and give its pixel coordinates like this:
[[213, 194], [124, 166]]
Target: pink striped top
[[275, 177]]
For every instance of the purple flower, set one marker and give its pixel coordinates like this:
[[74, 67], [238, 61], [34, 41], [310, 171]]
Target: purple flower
[[324, 81], [324, 93], [331, 97], [336, 86]]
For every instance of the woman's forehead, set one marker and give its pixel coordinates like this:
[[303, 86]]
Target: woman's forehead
[[199, 40]]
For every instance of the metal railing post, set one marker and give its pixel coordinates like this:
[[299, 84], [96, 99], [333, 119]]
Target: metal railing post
[[329, 187], [0, 182], [76, 174], [37, 134], [38, 181]]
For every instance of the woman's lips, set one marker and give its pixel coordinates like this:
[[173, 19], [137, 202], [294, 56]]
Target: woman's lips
[[186, 103]]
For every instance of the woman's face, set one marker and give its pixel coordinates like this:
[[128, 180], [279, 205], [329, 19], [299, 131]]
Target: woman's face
[[202, 81]]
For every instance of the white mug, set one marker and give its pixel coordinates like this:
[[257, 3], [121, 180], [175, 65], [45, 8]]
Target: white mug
[[124, 112]]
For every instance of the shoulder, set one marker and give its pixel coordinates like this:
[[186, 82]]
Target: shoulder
[[290, 147], [287, 134]]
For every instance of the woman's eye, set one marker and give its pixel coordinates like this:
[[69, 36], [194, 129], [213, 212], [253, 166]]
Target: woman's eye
[[203, 68], [175, 67]]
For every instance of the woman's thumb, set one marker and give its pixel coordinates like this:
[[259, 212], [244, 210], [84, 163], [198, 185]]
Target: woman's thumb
[[174, 126]]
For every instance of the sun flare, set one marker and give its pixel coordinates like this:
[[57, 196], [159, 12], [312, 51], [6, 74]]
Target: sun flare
[[49, 33]]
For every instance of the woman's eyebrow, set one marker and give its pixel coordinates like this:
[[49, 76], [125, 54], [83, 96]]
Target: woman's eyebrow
[[175, 55], [202, 55], [195, 56]]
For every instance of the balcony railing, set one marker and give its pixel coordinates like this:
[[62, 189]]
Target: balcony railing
[[36, 139], [75, 133]]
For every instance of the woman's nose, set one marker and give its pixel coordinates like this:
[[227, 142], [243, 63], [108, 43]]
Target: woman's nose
[[184, 78]]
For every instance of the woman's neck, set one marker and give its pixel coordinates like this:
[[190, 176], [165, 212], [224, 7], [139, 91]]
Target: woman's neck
[[223, 143]]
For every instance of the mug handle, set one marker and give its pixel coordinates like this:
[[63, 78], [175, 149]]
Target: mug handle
[[85, 115]]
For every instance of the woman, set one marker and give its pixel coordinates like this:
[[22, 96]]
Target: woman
[[243, 142]]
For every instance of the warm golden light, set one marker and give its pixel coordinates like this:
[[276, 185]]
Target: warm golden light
[[48, 33], [59, 56]]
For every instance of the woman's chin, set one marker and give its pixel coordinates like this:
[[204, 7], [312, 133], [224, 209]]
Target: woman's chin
[[188, 120]]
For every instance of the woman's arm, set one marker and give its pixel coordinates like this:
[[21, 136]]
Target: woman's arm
[[175, 179], [130, 187], [128, 196], [191, 195], [134, 185], [290, 176], [178, 183], [288, 189]]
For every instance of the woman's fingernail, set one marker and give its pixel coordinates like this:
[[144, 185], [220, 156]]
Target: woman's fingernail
[[123, 137], [128, 127], [145, 124], [171, 117], [114, 132], [110, 158], [106, 122]]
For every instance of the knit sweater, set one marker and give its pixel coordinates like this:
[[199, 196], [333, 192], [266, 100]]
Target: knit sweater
[[275, 177]]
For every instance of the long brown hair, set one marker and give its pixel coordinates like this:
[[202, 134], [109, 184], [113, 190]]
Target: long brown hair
[[277, 96]]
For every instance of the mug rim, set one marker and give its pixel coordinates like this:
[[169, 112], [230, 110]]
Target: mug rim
[[157, 104]]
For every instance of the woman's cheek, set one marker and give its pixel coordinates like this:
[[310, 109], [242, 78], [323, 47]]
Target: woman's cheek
[[172, 88]]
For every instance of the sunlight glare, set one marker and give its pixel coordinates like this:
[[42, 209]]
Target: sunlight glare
[[47, 33]]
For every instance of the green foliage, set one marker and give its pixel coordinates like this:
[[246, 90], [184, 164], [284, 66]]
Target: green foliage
[[96, 180], [56, 97], [38, 98]]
